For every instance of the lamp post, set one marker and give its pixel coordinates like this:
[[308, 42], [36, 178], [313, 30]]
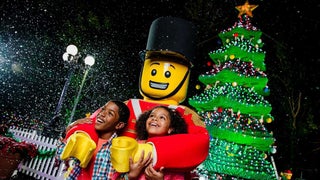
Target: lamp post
[[89, 61], [71, 58]]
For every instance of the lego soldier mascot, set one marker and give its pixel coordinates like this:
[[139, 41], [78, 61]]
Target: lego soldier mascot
[[164, 80]]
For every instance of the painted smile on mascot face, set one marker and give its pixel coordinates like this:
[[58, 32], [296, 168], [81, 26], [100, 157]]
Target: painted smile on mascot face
[[157, 85], [162, 79]]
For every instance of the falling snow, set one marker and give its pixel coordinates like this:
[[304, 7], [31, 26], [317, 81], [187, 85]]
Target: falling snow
[[34, 35]]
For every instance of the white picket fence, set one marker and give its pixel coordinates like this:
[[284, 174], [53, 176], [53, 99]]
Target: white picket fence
[[39, 168]]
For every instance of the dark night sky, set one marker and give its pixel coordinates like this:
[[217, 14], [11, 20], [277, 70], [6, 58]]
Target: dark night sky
[[34, 35]]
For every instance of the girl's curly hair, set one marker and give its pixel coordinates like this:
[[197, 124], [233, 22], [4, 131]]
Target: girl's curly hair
[[177, 123]]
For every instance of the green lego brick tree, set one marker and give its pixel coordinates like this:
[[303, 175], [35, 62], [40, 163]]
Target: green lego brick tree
[[234, 108]]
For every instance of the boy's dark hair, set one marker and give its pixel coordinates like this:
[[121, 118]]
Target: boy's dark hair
[[177, 123], [124, 111]]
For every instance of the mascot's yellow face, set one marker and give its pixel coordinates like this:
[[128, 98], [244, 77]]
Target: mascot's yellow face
[[164, 80]]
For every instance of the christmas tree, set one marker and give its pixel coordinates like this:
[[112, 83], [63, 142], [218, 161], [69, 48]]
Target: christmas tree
[[234, 107]]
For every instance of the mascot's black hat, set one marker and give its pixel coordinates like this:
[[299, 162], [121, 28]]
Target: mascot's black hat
[[171, 37]]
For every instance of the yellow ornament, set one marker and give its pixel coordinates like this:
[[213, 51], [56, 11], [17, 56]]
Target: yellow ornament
[[234, 84], [246, 8], [269, 120], [88, 114], [232, 56], [197, 86]]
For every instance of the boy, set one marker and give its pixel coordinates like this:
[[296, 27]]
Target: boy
[[111, 119]]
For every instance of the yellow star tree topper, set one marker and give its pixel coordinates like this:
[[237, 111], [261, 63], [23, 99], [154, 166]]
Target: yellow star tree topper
[[246, 8]]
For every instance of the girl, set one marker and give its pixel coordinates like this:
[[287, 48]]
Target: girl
[[159, 121]]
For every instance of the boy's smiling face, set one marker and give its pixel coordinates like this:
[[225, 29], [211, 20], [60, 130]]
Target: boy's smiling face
[[108, 118]]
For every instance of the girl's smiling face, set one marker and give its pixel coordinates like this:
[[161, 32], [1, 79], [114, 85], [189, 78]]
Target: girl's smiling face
[[158, 123]]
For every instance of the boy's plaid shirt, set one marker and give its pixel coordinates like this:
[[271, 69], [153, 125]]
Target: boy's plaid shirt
[[102, 168]]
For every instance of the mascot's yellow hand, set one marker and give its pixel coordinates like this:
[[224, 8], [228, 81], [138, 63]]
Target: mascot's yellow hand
[[123, 148], [147, 148], [80, 146]]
